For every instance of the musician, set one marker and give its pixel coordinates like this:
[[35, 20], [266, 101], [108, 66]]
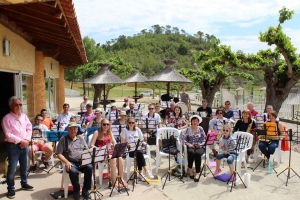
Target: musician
[[216, 125], [121, 121], [250, 107], [97, 120], [39, 143], [228, 113], [130, 111], [64, 117], [80, 130], [113, 114], [69, 151], [246, 124], [227, 147], [151, 115], [125, 106], [102, 137], [47, 121], [269, 109], [273, 130], [178, 121], [170, 111], [205, 108], [89, 115], [131, 134], [157, 108], [194, 138]]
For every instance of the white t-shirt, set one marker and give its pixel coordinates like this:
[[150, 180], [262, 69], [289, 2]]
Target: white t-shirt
[[132, 136], [156, 117]]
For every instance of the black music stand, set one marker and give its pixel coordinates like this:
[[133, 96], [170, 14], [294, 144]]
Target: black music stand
[[289, 168], [134, 147], [241, 143], [210, 139], [119, 150], [54, 136], [264, 159], [39, 136], [169, 172], [92, 156]]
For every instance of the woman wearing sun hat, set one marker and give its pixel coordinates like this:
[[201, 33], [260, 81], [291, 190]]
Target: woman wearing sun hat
[[194, 138]]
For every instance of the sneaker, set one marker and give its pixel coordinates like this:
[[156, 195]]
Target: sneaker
[[46, 165], [231, 178], [76, 196], [27, 187], [149, 174], [33, 168], [11, 194], [218, 171], [85, 193]]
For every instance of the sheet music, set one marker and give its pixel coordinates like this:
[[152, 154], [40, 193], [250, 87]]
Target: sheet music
[[86, 156], [116, 129], [236, 114], [259, 121], [151, 123]]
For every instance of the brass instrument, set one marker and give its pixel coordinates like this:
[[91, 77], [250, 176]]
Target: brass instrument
[[253, 133], [269, 138]]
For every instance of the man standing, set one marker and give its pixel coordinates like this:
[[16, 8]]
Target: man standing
[[18, 130], [71, 157], [184, 97], [64, 118], [251, 108], [83, 104], [205, 108], [228, 113]]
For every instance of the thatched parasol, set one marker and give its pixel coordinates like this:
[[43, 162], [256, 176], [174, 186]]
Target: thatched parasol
[[102, 77], [135, 78], [169, 75]]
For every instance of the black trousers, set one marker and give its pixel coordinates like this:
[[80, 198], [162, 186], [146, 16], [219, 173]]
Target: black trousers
[[140, 160], [195, 155]]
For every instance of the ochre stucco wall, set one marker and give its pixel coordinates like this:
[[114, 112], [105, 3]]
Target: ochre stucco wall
[[60, 89], [21, 52], [39, 83], [54, 72]]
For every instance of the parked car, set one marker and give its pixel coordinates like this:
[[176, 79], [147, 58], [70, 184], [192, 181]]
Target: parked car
[[146, 93]]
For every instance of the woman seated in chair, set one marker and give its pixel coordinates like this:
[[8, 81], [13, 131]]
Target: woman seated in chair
[[131, 134], [104, 137], [194, 138], [177, 120], [227, 147], [39, 143], [274, 129], [216, 125], [246, 124]]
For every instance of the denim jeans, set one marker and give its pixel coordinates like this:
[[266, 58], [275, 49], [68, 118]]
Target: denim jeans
[[230, 157], [268, 149], [87, 170], [15, 154]]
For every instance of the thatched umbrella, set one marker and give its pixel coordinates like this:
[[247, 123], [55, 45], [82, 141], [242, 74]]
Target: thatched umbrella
[[102, 77], [135, 78], [169, 75]]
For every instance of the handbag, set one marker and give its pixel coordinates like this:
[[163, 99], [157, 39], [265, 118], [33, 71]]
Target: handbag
[[169, 145]]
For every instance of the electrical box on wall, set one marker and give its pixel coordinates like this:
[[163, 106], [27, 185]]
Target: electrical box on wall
[[7, 47]]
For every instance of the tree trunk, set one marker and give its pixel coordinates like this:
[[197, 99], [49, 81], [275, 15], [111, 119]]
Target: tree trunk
[[278, 89], [72, 85], [107, 93], [97, 95], [209, 89], [153, 93]]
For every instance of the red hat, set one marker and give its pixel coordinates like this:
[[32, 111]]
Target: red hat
[[125, 99]]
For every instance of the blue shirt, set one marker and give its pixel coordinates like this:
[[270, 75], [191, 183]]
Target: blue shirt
[[228, 114]]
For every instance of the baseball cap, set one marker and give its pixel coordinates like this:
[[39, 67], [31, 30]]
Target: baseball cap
[[72, 124]]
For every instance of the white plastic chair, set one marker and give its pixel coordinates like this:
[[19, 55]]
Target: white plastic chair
[[277, 152], [40, 153], [129, 160], [163, 133]]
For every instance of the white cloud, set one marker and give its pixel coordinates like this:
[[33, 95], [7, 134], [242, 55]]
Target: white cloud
[[107, 19]]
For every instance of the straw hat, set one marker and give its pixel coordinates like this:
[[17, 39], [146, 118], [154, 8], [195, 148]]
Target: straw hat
[[98, 110], [196, 116]]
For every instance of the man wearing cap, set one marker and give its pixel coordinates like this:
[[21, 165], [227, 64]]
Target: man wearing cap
[[83, 104], [69, 152], [18, 130], [205, 108], [126, 104], [64, 118], [88, 115]]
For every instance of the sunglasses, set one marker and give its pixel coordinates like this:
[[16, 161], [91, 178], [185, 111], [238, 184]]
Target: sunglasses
[[150, 108], [219, 113], [131, 122], [225, 130], [105, 124]]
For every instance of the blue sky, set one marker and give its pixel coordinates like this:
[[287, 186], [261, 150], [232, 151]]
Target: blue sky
[[235, 22]]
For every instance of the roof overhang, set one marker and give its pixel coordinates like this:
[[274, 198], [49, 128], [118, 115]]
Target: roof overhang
[[51, 26]]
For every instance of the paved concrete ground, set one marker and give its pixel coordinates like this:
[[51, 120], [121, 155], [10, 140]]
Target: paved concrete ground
[[262, 185]]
